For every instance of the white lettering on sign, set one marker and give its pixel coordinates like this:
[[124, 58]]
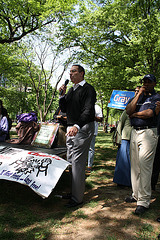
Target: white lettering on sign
[[118, 98]]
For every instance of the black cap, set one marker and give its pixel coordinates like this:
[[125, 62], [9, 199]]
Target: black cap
[[151, 77]]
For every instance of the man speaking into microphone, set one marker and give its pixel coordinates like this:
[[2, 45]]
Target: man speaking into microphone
[[78, 104]]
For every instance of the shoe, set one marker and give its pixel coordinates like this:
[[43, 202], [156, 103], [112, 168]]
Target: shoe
[[130, 199], [140, 210], [89, 169], [153, 187], [158, 219], [72, 203], [67, 196]]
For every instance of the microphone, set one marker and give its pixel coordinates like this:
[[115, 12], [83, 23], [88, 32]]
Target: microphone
[[65, 84]]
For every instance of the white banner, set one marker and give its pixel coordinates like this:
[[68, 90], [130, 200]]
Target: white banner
[[39, 171]]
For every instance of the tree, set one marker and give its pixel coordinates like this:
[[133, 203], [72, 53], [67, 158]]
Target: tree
[[120, 37], [21, 17], [117, 40], [26, 79], [13, 80], [40, 77]]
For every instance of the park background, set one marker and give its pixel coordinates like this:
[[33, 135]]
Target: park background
[[118, 42]]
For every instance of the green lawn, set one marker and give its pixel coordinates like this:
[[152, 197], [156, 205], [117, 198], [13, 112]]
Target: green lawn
[[25, 215]]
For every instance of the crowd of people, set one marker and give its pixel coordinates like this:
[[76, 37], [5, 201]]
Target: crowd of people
[[137, 155], [137, 163]]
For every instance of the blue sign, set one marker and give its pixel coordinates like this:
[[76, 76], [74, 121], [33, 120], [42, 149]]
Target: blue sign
[[119, 99]]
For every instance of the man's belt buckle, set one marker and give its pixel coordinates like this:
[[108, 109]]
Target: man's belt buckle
[[141, 128]]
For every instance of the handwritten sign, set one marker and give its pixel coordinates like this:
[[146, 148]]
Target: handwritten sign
[[119, 99], [46, 135], [39, 171]]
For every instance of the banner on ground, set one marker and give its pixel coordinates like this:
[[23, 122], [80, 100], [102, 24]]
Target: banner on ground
[[119, 99], [39, 171]]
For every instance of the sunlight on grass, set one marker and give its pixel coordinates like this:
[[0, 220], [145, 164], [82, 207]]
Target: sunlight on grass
[[42, 235], [26, 216], [80, 214], [146, 232], [92, 204], [89, 184]]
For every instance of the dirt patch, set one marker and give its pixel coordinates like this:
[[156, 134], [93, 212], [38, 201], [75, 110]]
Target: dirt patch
[[105, 215]]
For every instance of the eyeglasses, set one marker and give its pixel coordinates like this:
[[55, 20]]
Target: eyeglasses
[[136, 90]]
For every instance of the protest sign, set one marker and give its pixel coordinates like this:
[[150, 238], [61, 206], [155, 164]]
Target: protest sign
[[46, 135], [39, 171], [119, 99]]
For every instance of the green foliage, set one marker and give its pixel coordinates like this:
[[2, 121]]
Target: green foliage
[[21, 17], [26, 83], [119, 40]]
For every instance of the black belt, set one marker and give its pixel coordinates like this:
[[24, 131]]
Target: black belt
[[143, 127]]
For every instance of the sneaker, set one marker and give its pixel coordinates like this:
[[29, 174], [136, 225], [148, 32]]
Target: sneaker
[[72, 203], [89, 169], [158, 219], [67, 196], [140, 210], [130, 199]]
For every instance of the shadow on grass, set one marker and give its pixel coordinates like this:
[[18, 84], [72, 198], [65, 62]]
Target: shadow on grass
[[25, 215], [21, 207]]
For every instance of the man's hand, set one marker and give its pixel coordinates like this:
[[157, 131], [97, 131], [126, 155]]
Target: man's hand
[[148, 113], [157, 110], [72, 131], [131, 107], [62, 89], [142, 90]]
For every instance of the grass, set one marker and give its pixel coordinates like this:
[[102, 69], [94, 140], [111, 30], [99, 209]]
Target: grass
[[25, 215]]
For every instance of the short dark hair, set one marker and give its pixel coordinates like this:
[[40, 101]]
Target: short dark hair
[[80, 68]]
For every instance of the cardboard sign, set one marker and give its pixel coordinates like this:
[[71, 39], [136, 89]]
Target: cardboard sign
[[39, 171], [46, 135], [119, 99]]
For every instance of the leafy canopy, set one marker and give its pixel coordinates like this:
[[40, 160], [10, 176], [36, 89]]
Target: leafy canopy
[[21, 17]]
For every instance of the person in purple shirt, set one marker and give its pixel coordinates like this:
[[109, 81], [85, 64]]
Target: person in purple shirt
[[3, 124]]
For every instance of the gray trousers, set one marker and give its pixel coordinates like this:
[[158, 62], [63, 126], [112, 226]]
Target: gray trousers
[[77, 154], [142, 151], [91, 152]]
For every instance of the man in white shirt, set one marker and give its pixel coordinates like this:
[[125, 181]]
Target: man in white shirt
[[98, 118], [78, 104]]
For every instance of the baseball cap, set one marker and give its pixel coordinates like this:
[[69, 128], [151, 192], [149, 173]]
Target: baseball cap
[[151, 77]]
